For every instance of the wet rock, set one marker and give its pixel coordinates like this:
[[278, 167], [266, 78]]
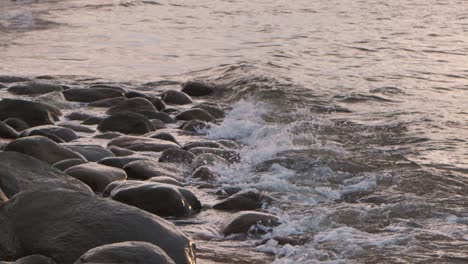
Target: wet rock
[[142, 143], [205, 173], [213, 109], [228, 191], [79, 116], [170, 110], [19, 172], [159, 199], [76, 127], [228, 154], [145, 169], [34, 114], [65, 134], [95, 120], [166, 180], [195, 126], [208, 159], [17, 124], [241, 222], [7, 132], [177, 156], [116, 87], [158, 103], [120, 152], [126, 252], [202, 144], [127, 123], [158, 124], [118, 162], [197, 88], [55, 99], [82, 222], [228, 143], [96, 176], [33, 259], [135, 105], [91, 153], [68, 163], [195, 114], [176, 98], [135, 94], [10, 245], [12, 79], [109, 135], [244, 200], [34, 88], [48, 135], [86, 95], [166, 118], [42, 148], [108, 102], [165, 136]]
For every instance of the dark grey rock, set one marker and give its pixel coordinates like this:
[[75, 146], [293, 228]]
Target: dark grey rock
[[68, 163], [65, 134], [213, 109], [12, 79], [79, 116], [95, 120], [176, 98], [87, 95], [228, 154], [244, 200], [33, 88], [135, 105], [208, 159], [96, 176], [177, 156], [34, 114], [134, 252], [205, 173], [166, 180], [92, 153], [158, 103], [165, 136], [145, 169], [76, 127], [230, 144], [126, 123], [17, 124], [118, 162], [120, 152], [142, 143], [48, 135], [10, 245], [33, 259], [108, 102], [19, 172], [241, 222], [203, 144], [195, 114], [197, 88], [197, 126], [158, 124], [116, 87], [7, 132], [108, 135], [164, 117]]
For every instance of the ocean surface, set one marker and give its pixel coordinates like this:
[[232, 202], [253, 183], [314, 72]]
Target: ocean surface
[[353, 115]]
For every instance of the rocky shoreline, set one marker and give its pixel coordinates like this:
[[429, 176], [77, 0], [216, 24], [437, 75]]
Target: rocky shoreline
[[105, 172]]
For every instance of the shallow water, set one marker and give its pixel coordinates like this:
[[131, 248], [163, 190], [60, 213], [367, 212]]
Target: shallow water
[[353, 113]]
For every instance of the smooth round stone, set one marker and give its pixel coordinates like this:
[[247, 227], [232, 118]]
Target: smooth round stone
[[165, 136], [126, 123], [85, 221], [48, 135], [142, 143], [170, 110], [136, 105], [34, 114], [205, 173], [54, 98], [228, 154], [68, 163], [241, 222], [145, 169], [87, 95], [20, 172], [164, 117], [126, 252], [42, 148], [118, 162], [108, 135], [195, 114], [135, 94], [34, 88], [65, 134], [90, 152], [195, 126], [228, 191], [230, 144], [33, 259], [208, 159], [79, 116], [158, 103], [12, 79], [176, 98], [176, 156], [116, 87], [203, 144], [158, 124], [120, 152], [95, 120], [96, 176], [7, 132], [166, 180], [213, 109], [197, 88], [244, 200], [108, 102], [76, 127], [17, 124]]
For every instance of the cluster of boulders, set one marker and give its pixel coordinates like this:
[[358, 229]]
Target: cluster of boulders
[[102, 186]]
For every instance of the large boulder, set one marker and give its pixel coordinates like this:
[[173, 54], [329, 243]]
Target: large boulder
[[96, 176], [19, 172], [127, 123], [142, 143], [145, 169], [133, 105], [7, 132], [92, 153], [10, 245], [33, 88], [82, 221], [42, 148], [195, 114], [176, 98], [90, 95], [65, 134], [34, 114], [134, 252], [197, 88], [33, 259], [241, 222]]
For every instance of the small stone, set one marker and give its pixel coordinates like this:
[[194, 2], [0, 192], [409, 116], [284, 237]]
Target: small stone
[[86, 95], [126, 123], [197, 88], [195, 114], [96, 176], [7, 132]]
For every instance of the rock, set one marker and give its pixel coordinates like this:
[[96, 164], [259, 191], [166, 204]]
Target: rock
[[34, 114], [142, 143], [195, 126], [195, 114], [164, 117], [68, 163], [92, 153], [79, 116], [118, 162], [228, 154], [145, 169], [90, 95], [241, 222], [34, 88], [95, 120], [157, 124], [65, 134], [135, 105], [159, 199], [19, 172], [176, 98], [205, 173], [170, 110], [48, 135], [76, 127], [166, 180], [213, 109], [126, 252], [12, 79], [127, 123], [228, 143], [33, 259], [135, 94], [228, 191], [176, 156], [245, 200], [56, 99], [96, 176], [83, 221], [165, 136], [120, 152], [42, 148], [197, 88], [116, 87], [109, 135], [17, 124], [208, 159], [108, 102], [10, 245], [158, 103], [203, 144], [7, 132]]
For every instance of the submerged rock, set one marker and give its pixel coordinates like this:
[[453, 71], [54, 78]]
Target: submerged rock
[[213, 109], [197, 88], [68, 163], [135, 252], [34, 114], [205, 173], [166, 180], [228, 154], [76, 127], [176, 98], [208, 159], [197, 126], [127, 123], [96, 176], [241, 222], [244, 200], [203, 144], [12, 79], [120, 152], [33, 88]]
